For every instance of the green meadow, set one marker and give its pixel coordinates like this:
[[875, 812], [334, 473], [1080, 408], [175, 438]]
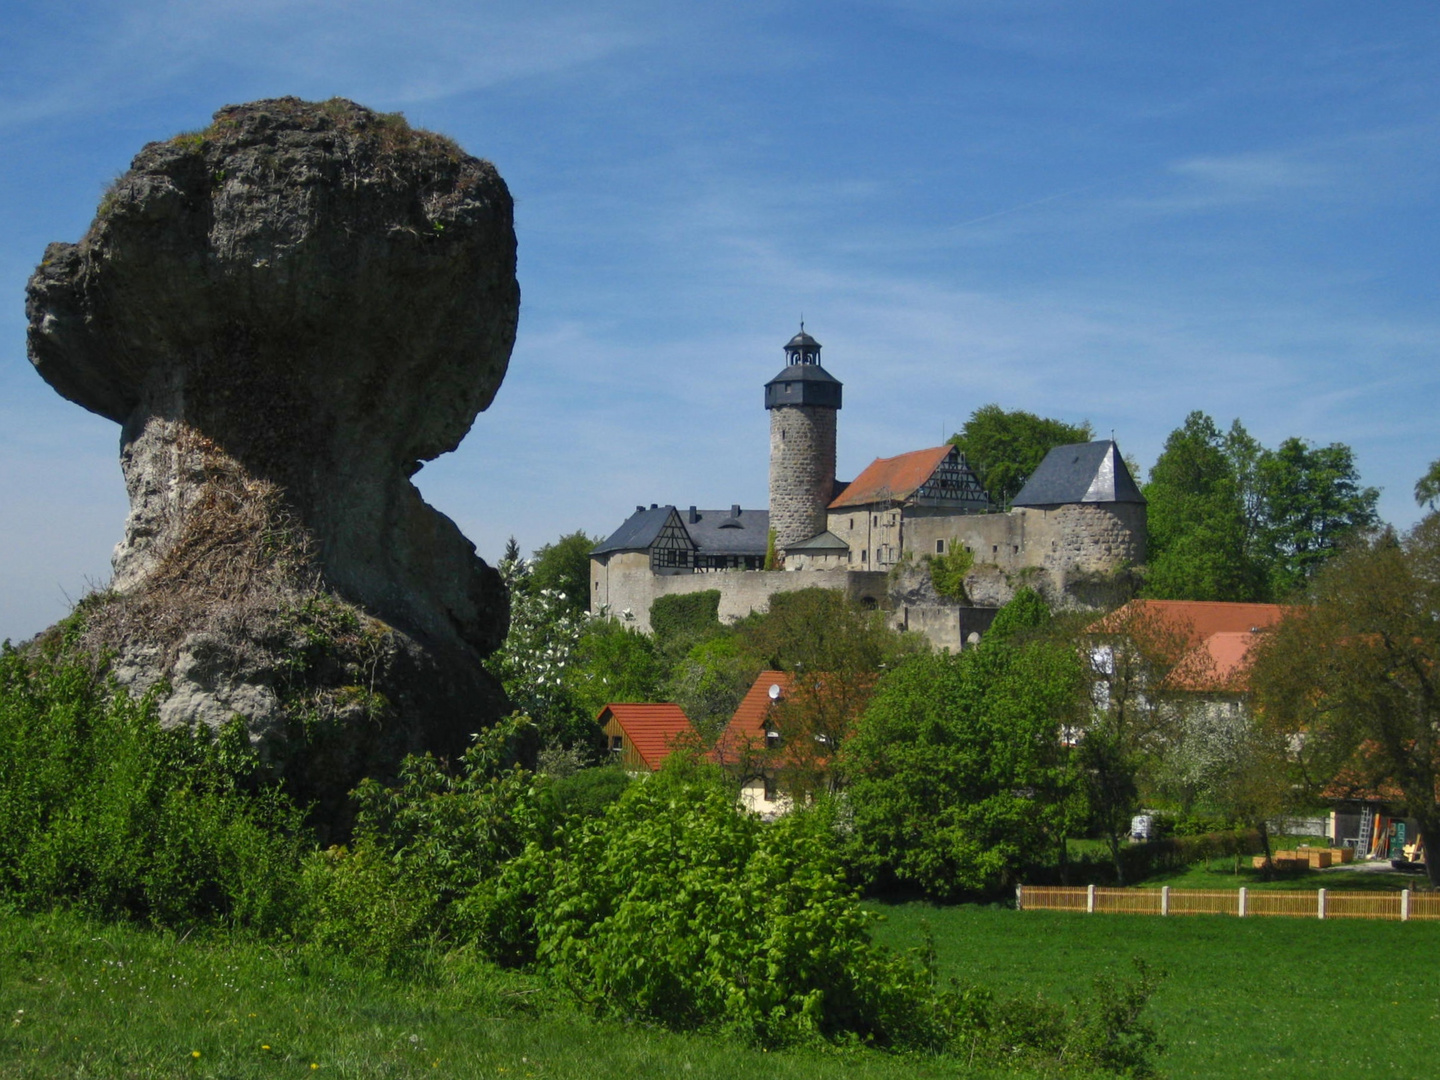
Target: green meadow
[[1258, 998], [1277, 997]]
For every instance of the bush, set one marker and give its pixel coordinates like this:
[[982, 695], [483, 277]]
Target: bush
[[107, 812], [681, 909], [682, 620]]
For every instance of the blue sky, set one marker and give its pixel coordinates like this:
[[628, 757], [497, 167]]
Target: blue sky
[[1107, 211]]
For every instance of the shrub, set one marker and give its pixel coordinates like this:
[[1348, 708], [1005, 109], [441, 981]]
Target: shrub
[[106, 811], [680, 909], [682, 620]]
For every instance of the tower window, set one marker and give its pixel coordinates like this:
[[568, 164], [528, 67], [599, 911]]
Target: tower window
[[865, 555], [939, 547]]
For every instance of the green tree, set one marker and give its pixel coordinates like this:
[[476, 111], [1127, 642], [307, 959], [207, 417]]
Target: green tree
[[1197, 522], [709, 682], [1313, 502], [958, 775], [1427, 488], [1352, 677], [1004, 448], [564, 568], [614, 662]]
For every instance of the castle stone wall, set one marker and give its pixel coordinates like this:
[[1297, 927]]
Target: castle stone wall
[[624, 582]]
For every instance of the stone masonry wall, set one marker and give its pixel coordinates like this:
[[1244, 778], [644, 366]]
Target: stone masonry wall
[[624, 582], [802, 471]]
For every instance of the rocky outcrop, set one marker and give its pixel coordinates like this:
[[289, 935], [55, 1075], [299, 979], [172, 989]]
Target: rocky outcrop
[[287, 313]]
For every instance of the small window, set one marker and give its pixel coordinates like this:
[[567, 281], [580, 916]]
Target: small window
[[617, 743], [1016, 549], [772, 739], [865, 555], [770, 792], [875, 521], [939, 547], [852, 523], [994, 549]]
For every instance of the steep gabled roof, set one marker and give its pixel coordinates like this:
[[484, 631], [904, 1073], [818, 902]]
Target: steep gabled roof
[[651, 729], [747, 727], [1092, 472], [892, 479], [638, 533]]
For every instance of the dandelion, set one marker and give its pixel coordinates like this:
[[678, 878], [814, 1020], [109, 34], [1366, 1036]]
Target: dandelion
[[194, 1053]]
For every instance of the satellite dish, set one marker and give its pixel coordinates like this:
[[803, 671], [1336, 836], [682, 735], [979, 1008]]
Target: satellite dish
[[774, 691]]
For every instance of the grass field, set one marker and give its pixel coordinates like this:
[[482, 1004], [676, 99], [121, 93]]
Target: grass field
[[1273, 997], [87, 1000], [1254, 998]]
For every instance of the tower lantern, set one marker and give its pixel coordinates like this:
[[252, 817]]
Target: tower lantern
[[802, 400]]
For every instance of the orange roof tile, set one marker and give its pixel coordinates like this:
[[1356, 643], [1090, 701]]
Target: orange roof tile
[[651, 729], [748, 725], [1219, 663], [892, 479], [1197, 619]]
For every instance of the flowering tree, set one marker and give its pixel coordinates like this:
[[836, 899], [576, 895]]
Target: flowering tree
[[535, 664]]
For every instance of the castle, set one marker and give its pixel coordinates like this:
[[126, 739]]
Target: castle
[[1078, 522]]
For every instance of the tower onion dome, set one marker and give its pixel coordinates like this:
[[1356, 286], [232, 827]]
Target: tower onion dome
[[804, 381]]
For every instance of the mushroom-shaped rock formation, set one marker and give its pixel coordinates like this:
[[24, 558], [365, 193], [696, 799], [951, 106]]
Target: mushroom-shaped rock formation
[[287, 313]]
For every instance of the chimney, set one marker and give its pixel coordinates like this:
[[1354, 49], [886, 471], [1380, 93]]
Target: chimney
[[735, 510], [694, 515]]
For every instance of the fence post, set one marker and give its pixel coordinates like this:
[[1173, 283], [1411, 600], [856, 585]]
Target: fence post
[[1404, 905], [1243, 897], [1019, 897], [1321, 903], [1165, 900], [1089, 899]]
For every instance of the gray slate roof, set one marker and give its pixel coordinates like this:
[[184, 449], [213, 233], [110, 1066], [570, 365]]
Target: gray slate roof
[[637, 533], [728, 532], [713, 532], [1092, 472]]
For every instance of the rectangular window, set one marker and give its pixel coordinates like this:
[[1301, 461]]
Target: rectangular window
[[865, 555], [617, 743], [939, 547]]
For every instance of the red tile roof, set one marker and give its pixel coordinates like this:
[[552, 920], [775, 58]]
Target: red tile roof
[[1219, 663], [1197, 619], [748, 725], [1216, 635], [892, 479], [651, 729]]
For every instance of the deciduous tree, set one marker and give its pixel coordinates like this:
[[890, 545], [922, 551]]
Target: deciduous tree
[[958, 775], [1197, 520], [1004, 448], [1353, 675]]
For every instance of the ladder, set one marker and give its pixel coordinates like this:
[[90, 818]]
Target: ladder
[[1367, 826]]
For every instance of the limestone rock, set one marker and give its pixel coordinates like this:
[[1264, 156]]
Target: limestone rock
[[288, 313]]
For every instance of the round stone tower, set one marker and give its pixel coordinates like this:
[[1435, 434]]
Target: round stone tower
[[802, 400]]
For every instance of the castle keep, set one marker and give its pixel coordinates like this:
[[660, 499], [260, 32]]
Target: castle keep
[[1079, 520]]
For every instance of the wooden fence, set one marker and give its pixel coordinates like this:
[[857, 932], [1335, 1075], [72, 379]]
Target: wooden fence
[[1321, 904]]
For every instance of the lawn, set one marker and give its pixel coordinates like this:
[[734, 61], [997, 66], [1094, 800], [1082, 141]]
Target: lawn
[[90, 1000], [1258, 997], [1271, 997]]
